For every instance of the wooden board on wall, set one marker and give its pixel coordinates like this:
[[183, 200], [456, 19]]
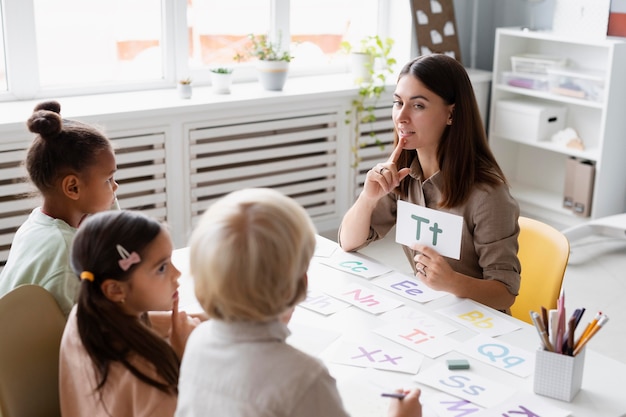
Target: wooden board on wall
[[435, 27]]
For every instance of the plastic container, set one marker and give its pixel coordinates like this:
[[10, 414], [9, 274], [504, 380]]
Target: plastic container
[[583, 84], [531, 81], [536, 64]]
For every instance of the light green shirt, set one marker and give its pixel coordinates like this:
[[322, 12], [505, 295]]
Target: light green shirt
[[40, 254]]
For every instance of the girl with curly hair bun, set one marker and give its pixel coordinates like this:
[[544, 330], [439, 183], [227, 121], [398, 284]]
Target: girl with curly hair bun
[[72, 165]]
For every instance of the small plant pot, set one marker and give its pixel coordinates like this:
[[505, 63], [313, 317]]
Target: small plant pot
[[221, 82], [184, 91], [361, 66], [272, 74]]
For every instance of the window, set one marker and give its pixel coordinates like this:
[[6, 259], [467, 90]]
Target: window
[[82, 42], [218, 29], [67, 47], [318, 28]]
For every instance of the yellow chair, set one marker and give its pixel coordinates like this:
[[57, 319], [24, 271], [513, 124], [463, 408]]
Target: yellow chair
[[543, 254], [31, 326]]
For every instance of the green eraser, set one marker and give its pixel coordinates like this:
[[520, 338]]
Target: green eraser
[[458, 364]]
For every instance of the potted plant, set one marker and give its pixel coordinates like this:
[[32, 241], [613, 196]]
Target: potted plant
[[371, 78], [184, 88], [221, 79], [364, 55], [273, 61]]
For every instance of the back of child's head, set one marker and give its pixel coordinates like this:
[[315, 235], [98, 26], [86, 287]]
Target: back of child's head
[[100, 239], [61, 146], [108, 334], [249, 255]]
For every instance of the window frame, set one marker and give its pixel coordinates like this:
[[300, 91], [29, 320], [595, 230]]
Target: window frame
[[23, 81]]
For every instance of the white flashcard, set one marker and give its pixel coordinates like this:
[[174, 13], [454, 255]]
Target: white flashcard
[[465, 384], [365, 298], [499, 354], [310, 339], [414, 317], [437, 229], [408, 286], [477, 317], [522, 404], [322, 303], [324, 247], [355, 264], [429, 343], [371, 351], [446, 405]]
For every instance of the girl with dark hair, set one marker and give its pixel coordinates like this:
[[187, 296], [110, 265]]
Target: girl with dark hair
[[72, 164], [112, 362], [442, 161]]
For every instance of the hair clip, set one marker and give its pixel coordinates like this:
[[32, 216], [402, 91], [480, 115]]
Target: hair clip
[[128, 259], [87, 275]]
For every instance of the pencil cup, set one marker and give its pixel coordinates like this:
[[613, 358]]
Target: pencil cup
[[558, 376]]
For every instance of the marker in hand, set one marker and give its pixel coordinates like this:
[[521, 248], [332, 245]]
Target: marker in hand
[[397, 395]]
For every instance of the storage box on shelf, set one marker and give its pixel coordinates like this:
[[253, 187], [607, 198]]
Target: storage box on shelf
[[586, 84], [528, 121], [531, 71]]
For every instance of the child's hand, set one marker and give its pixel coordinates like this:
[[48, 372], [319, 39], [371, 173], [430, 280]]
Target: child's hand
[[182, 325], [409, 406]]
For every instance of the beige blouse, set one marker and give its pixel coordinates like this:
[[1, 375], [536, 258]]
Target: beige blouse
[[490, 229]]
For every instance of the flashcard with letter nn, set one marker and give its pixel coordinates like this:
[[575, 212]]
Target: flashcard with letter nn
[[365, 298], [437, 229]]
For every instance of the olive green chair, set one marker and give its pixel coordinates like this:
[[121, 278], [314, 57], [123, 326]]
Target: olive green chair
[[31, 326]]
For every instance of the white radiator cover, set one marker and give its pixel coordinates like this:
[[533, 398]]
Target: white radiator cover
[[295, 154], [140, 157]]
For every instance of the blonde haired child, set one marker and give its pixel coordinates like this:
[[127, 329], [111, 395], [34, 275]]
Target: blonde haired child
[[112, 362], [72, 165], [249, 257]]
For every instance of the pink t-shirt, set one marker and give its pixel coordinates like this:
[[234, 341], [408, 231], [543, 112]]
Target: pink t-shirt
[[123, 394]]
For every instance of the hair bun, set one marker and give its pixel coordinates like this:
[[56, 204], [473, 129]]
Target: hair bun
[[49, 105], [46, 119]]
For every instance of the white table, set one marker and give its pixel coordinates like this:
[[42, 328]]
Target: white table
[[604, 379]]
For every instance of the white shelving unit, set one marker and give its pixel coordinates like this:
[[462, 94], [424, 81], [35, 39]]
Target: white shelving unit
[[536, 169]]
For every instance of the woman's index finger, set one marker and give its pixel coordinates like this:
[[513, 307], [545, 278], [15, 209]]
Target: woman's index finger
[[395, 154]]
